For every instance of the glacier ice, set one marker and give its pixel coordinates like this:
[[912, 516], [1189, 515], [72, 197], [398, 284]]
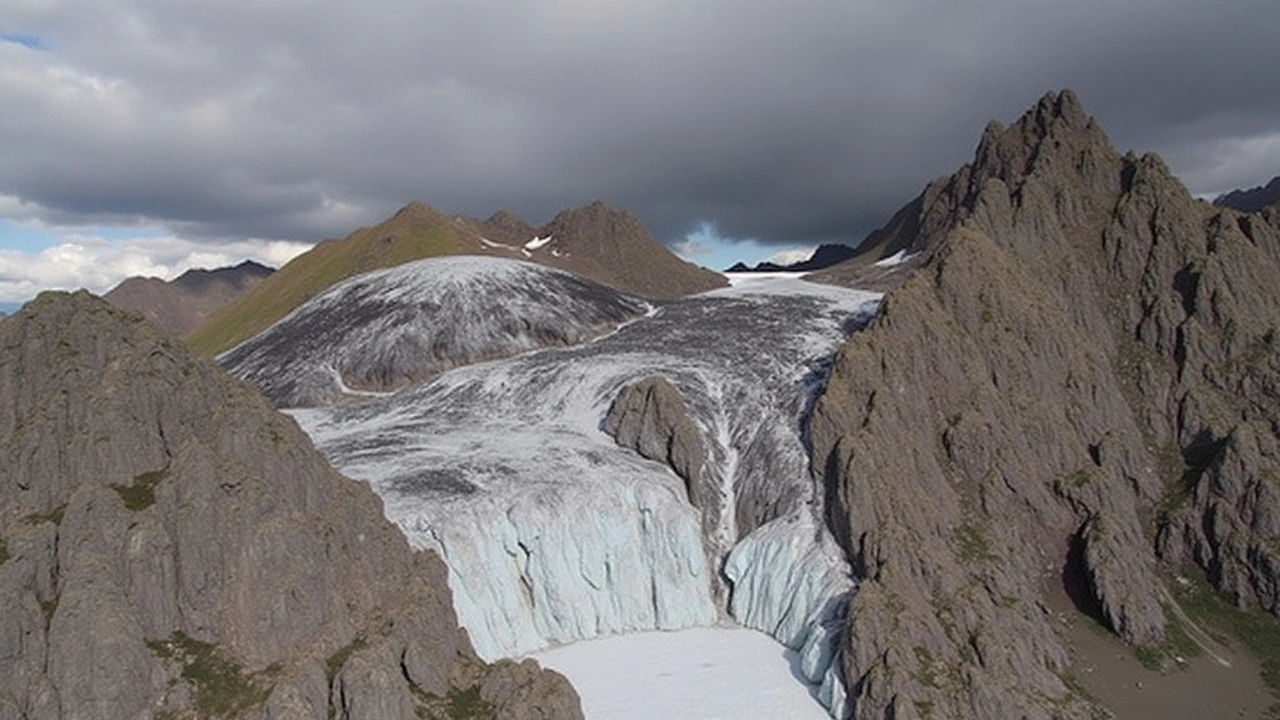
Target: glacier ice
[[552, 533], [791, 581], [389, 328]]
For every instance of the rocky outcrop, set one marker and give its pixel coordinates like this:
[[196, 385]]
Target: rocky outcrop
[[173, 547], [650, 417], [179, 305], [1076, 385]]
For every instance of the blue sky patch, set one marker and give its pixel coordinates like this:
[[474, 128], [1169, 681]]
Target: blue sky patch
[[26, 40]]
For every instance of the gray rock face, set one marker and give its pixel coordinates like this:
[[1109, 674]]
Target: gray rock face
[[650, 417], [171, 543], [1084, 346]]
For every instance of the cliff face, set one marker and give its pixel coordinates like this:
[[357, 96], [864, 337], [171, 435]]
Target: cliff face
[[1083, 369], [174, 547]]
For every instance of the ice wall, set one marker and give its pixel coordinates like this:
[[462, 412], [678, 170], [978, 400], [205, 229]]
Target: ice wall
[[565, 566], [790, 580]]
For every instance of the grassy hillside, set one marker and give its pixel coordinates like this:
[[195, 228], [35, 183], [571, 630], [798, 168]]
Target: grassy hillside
[[414, 232]]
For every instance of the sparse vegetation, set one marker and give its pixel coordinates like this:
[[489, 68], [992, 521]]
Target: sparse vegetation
[[338, 659], [971, 544], [140, 494], [54, 516], [221, 688], [49, 607], [4, 550], [393, 242], [927, 676], [1257, 630], [1077, 479], [457, 705]]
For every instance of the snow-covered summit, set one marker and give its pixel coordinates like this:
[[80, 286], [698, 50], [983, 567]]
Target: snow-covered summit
[[385, 329]]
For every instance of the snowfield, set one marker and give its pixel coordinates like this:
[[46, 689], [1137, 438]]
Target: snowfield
[[696, 674], [554, 534]]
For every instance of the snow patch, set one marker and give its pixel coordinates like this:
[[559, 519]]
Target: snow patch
[[537, 242], [895, 259]]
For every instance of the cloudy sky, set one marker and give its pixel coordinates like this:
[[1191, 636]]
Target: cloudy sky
[[146, 136]]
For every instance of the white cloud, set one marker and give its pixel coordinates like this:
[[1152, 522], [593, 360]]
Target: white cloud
[[691, 249], [99, 264], [787, 122], [788, 257]]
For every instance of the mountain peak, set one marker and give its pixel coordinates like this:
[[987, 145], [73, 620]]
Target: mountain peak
[[417, 209]]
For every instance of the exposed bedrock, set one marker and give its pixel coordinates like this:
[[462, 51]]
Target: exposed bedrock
[[1082, 372], [171, 546]]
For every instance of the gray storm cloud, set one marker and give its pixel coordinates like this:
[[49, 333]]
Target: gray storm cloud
[[784, 122]]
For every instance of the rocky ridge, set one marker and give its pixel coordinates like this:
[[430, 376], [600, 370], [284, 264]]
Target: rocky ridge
[[179, 305], [1251, 200], [1107, 404], [170, 546], [824, 256]]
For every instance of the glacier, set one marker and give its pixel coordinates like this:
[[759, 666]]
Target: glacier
[[389, 328], [552, 533]]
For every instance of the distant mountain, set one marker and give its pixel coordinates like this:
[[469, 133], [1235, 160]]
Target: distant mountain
[[1073, 391], [181, 304], [1253, 199], [385, 329], [608, 246], [613, 248], [171, 546], [823, 256]]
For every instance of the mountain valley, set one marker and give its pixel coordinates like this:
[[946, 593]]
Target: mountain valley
[[1017, 455]]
